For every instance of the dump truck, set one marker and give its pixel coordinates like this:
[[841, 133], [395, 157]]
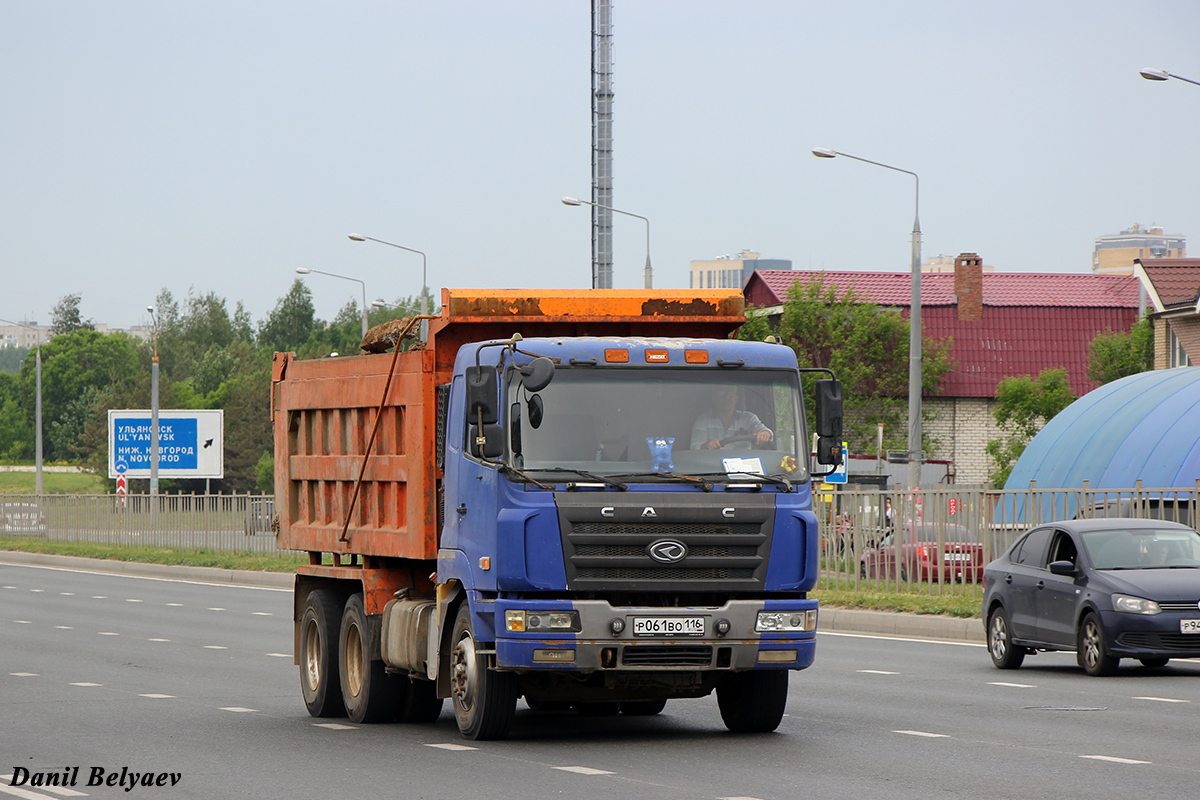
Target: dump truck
[[552, 497]]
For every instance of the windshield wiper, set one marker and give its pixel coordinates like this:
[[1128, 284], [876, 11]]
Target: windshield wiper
[[506, 468], [778, 479], [591, 476], [706, 485]]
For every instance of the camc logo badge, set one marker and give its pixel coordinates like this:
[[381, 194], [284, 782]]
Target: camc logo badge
[[667, 551]]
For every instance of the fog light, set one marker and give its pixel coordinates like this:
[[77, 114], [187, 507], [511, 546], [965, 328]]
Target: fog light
[[721, 627], [776, 656], [616, 626], [534, 621]]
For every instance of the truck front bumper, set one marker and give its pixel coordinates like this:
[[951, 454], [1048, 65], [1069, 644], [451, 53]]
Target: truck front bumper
[[608, 637]]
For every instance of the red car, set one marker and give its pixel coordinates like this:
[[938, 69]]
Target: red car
[[921, 552]]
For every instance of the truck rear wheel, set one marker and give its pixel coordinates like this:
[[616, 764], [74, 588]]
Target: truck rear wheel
[[753, 702], [370, 694], [484, 699], [319, 681]]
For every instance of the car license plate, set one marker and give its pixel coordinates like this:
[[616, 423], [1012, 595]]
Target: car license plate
[[668, 626], [1189, 626], [958, 556]]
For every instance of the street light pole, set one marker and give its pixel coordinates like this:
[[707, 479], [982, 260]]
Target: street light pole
[[649, 273], [154, 423], [1162, 75], [306, 271], [915, 456], [358, 237], [37, 435]]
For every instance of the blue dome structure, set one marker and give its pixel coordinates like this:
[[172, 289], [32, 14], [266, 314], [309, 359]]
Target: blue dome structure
[[1142, 427]]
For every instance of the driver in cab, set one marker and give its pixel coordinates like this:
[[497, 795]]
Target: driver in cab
[[724, 421]]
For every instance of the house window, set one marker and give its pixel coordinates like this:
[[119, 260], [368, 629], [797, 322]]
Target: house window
[[1179, 356]]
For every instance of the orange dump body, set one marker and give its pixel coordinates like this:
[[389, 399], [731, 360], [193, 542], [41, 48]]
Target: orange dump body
[[324, 411]]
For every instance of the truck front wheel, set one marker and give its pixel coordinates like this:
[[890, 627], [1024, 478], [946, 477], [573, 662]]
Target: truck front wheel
[[753, 702], [319, 682], [370, 694], [484, 699]]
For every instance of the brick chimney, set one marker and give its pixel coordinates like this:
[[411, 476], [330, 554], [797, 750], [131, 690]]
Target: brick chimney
[[968, 287]]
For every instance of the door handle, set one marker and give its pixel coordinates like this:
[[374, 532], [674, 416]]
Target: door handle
[[1008, 578], [1041, 584]]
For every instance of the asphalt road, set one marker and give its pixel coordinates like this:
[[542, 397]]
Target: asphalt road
[[197, 680]]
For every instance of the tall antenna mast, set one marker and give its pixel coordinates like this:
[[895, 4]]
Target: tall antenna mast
[[602, 100]]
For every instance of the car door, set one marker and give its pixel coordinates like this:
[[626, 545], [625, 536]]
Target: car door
[[1026, 568], [1057, 595]]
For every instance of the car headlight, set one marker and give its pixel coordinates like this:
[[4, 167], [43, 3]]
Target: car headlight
[[519, 620], [792, 621], [1135, 605]]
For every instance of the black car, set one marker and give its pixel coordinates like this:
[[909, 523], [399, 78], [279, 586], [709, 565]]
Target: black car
[[1106, 588]]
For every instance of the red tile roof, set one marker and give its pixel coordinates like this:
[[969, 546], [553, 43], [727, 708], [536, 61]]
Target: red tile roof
[[1176, 281], [1031, 322]]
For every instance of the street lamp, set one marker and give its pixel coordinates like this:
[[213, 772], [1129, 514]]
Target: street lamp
[[306, 271], [37, 436], [914, 325], [358, 237], [154, 422], [575, 201], [1162, 75]]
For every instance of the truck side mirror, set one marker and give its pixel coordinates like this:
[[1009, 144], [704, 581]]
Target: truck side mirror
[[483, 394], [486, 444], [537, 374], [829, 451], [829, 409]]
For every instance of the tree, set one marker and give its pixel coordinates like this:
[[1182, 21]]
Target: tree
[[11, 358], [65, 317], [291, 322], [1113, 355], [867, 348], [1024, 406]]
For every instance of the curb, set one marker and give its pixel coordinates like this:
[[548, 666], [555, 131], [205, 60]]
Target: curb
[[832, 618]]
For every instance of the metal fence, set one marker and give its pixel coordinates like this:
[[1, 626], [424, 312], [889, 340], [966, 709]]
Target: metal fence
[[874, 539], [239, 523]]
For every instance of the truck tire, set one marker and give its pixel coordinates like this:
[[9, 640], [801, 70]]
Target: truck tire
[[420, 703], [370, 694], [484, 700], [753, 702], [319, 681]]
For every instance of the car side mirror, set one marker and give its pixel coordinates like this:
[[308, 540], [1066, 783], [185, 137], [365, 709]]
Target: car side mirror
[[1063, 568], [537, 374]]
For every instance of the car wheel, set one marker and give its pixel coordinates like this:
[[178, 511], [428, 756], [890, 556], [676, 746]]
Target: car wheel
[[320, 682], [903, 574], [370, 694], [1154, 663], [753, 702], [1005, 654], [484, 699], [862, 570], [1092, 651]]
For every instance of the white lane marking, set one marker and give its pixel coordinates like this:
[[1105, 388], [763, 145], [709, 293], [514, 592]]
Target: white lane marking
[[37, 591], [876, 672], [449, 746], [16, 791], [132, 600], [216, 609], [175, 605], [111, 574], [67, 594], [334, 726], [280, 655], [262, 613], [1163, 699], [23, 674], [108, 633], [64, 627], [158, 640], [19, 792], [926, 734], [1012, 685], [86, 683], [239, 709], [739, 798], [215, 647], [585, 770], [158, 696], [99, 597], [901, 639], [22, 622], [10, 587], [1116, 760]]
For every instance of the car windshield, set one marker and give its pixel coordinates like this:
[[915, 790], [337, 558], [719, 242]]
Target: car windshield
[[645, 422], [1142, 548]]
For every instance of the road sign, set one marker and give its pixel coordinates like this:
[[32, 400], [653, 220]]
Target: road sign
[[190, 443], [839, 474]]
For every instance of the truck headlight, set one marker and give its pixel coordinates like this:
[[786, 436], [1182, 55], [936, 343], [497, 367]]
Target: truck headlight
[[1135, 605], [790, 621], [519, 620]]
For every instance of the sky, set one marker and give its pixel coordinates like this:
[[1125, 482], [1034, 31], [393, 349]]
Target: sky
[[218, 146]]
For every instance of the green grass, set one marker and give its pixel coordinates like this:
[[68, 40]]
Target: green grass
[[963, 603], [52, 483]]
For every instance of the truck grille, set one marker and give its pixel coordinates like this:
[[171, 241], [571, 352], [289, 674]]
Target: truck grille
[[667, 656], [607, 547]]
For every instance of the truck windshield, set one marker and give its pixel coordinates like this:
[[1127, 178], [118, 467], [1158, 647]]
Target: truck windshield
[[647, 421]]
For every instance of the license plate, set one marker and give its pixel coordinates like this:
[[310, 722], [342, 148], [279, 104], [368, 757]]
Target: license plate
[[958, 556], [668, 626], [1189, 626]]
